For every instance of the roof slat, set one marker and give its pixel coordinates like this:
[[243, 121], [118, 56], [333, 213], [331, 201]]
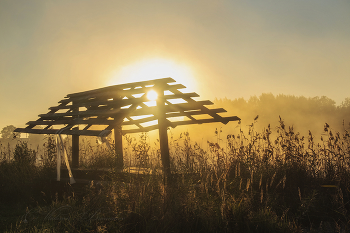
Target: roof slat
[[121, 87], [109, 106]]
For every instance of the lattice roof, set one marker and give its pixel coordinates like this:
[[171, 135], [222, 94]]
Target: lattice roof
[[101, 110]]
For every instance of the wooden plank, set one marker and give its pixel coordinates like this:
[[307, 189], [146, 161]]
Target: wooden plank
[[169, 115], [181, 96], [104, 121], [139, 121], [93, 121], [203, 108], [85, 132], [122, 93], [147, 89], [117, 94], [118, 120], [109, 122], [224, 120], [88, 113], [120, 102], [65, 101], [183, 112], [97, 105], [111, 103], [104, 111], [135, 123], [36, 131], [172, 108], [51, 112], [187, 106], [145, 129], [54, 131], [121, 87], [195, 112]]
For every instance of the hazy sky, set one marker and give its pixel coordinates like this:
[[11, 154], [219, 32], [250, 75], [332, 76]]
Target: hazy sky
[[218, 48]]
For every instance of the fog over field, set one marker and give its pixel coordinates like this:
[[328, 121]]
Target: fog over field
[[282, 67], [218, 49]]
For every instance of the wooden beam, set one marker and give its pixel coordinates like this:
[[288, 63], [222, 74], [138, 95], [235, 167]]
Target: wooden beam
[[103, 121], [110, 92], [173, 114], [120, 102], [187, 114], [118, 139], [224, 120], [75, 145], [172, 108], [88, 113], [105, 111], [163, 135], [92, 121], [100, 109], [203, 108], [75, 151], [122, 86], [54, 131], [145, 129]]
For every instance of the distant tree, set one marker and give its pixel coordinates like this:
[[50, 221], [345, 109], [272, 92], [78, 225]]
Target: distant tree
[[7, 132], [304, 113], [345, 103]]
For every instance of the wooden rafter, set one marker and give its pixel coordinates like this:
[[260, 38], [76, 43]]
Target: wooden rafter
[[119, 105]]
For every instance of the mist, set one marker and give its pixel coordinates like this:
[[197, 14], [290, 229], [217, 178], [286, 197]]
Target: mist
[[302, 114], [234, 49]]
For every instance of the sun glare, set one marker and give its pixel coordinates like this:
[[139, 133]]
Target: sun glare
[[154, 69], [152, 95]]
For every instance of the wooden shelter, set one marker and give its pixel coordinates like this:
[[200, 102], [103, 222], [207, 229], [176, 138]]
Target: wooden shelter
[[125, 109]]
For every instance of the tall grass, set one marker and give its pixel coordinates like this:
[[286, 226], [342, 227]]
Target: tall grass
[[269, 181]]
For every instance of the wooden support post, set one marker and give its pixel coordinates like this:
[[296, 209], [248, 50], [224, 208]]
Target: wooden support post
[[75, 146], [75, 151], [163, 135], [118, 139]]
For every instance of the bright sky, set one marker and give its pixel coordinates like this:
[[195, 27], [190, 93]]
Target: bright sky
[[218, 48]]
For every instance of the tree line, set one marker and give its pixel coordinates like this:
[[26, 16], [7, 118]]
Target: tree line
[[304, 114]]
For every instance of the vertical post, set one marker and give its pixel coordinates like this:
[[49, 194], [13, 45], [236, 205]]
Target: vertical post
[[75, 151], [118, 139], [75, 145], [163, 135]]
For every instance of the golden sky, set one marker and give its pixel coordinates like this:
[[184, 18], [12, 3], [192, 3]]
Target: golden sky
[[218, 48]]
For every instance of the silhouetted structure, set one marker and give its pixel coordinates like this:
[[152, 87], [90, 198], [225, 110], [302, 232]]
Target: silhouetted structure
[[123, 108]]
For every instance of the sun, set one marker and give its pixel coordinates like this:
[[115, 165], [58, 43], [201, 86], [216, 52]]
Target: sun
[[152, 95], [154, 68]]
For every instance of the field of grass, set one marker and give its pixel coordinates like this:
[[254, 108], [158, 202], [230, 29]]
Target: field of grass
[[274, 180]]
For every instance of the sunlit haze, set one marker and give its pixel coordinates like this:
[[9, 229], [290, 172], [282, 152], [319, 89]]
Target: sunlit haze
[[154, 69], [218, 49]]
